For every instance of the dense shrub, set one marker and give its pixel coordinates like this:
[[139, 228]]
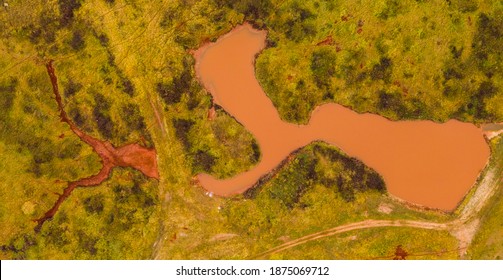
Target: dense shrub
[[478, 100], [77, 43], [104, 122], [456, 53], [294, 180], [169, 93], [256, 152], [7, 95], [133, 118], [169, 17], [451, 73], [172, 92], [488, 43], [392, 9], [252, 9], [102, 117], [391, 101], [361, 178], [45, 29], [87, 243], [464, 6], [323, 62], [204, 160], [94, 204], [18, 245], [375, 182], [72, 88], [67, 9], [382, 70], [42, 149], [127, 86], [182, 129], [103, 39], [77, 118]]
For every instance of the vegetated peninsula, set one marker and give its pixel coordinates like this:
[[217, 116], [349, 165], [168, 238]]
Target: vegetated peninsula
[[127, 77], [420, 161]]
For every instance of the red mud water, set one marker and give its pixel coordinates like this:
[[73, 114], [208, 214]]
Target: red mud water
[[132, 155], [422, 162]]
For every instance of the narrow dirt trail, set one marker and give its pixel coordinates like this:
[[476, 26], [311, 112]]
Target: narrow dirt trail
[[350, 227], [463, 228], [131, 155]]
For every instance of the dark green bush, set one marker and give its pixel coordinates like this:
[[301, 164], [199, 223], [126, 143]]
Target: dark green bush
[[452, 73], [204, 160], [94, 204], [182, 83], [323, 62], [127, 86], [77, 118], [67, 9], [294, 180], [132, 116], [182, 129], [390, 101], [391, 10], [256, 152], [488, 40], [72, 88], [382, 70], [456, 53], [169, 93], [252, 9], [7, 95], [18, 245], [87, 243], [101, 116], [77, 43]]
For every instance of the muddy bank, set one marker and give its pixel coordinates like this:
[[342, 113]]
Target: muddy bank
[[422, 162], [132, 155]]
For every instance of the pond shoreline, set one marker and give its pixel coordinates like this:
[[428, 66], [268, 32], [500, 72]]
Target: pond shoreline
[[422, 162]]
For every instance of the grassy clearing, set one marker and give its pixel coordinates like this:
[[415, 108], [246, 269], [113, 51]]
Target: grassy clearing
[[400, 59], [127, 76], [290, 205], [40, 153]]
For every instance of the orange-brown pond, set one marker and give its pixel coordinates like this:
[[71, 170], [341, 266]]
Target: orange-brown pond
[[422, 162]]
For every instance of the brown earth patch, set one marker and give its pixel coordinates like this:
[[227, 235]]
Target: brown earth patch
[[131, 155]]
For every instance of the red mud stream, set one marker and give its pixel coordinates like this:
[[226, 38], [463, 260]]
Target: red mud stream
[[422, 162], [132, 155]]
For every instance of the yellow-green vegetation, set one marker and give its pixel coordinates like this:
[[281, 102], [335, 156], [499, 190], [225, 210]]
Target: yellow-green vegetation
[[127, 76], [488, 241], [401, 59], [377, 244], [319, 189], [105, 99], [118, 220]]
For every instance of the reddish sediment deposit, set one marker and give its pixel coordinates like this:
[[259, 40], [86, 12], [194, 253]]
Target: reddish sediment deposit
[[422, 162], [131, 155]]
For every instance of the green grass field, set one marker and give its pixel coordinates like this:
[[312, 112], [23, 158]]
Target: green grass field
[[126, 75]]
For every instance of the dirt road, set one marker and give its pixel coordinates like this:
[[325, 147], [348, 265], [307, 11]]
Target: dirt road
[[353, 226], [463, 228]]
